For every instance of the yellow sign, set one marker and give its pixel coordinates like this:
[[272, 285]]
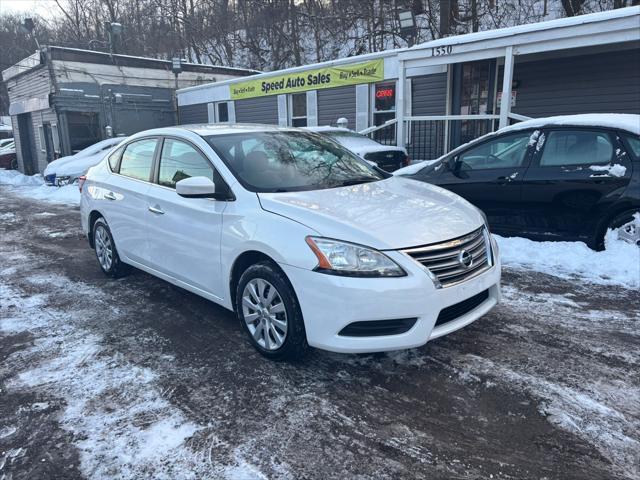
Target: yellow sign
[[336, 76]]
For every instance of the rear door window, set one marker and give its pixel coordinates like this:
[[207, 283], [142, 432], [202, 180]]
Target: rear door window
[[576, 147], [634, 144], [137, 159]]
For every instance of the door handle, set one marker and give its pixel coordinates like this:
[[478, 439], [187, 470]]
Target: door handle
[[156, 210], [503, 180], [110, 196]]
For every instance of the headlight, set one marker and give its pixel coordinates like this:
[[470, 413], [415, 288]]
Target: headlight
[[348, 259]]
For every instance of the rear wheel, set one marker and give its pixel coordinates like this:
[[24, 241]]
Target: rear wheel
[[626, 227], [268, 309], [106, 252]]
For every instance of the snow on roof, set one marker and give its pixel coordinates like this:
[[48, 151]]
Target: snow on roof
[[531, 27], [621, 121]]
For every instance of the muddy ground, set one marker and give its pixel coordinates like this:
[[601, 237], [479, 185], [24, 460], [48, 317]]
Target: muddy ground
[[136, 378]]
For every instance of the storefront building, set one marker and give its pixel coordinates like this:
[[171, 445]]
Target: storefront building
[[65, 99], [437, 95]]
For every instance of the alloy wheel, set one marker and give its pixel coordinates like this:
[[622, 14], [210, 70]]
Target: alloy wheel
[[630, 232], [104, 248], [264, 313]]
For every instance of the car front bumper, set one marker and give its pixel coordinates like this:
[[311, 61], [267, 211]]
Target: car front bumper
[[329, 303]]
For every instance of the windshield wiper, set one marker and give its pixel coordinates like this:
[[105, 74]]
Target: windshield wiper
[[357, 181]]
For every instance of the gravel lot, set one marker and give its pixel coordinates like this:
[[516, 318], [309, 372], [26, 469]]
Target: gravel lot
[[135, 378]]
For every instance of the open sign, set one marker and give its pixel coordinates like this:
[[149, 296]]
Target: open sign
[[384, 93]]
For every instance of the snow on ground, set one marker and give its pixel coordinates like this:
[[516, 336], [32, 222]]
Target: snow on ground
[[619, 264], [34, 187], [117, 411], [601, 406]]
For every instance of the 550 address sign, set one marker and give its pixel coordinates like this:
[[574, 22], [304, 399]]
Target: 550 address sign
[[440, 51]]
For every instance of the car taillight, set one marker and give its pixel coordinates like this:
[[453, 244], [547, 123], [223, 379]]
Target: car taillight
[[407, 160], [81, 180]]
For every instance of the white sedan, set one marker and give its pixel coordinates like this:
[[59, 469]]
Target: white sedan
[[67, 170], [308, 244]]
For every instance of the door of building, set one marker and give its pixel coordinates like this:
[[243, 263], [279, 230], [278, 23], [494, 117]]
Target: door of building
[[48, 142], [473, 94], [27, 144]]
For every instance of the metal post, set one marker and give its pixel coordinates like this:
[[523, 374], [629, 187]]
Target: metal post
[[507, 81], [402, 80], [175, 98]]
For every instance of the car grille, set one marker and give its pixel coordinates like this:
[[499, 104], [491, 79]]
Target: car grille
[[390, 160], [449, 261], [459, 309]]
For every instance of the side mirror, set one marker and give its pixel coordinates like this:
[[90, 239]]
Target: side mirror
[[196, 187]]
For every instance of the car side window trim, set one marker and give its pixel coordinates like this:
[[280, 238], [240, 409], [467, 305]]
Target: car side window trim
[[227, 195], [568, 128]]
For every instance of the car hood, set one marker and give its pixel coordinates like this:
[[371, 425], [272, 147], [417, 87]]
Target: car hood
[[389, 214]]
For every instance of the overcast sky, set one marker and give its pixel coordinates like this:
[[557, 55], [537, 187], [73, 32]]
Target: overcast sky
[[41, 7]]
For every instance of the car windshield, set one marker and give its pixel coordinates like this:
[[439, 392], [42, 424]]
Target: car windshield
[[290, 161]]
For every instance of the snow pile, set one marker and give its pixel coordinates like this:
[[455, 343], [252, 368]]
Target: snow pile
[[618, 264], [17, 179], [616, 170], [34, 187]]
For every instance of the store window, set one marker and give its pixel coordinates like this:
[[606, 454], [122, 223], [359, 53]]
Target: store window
[[43, 147], [222, 112], [298, 109], [384, 109], [56, 138]]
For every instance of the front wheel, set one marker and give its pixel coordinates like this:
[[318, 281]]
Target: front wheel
[[268, 310]]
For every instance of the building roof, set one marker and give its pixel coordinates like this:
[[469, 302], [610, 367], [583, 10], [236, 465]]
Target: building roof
[[530, 27], [67, 54]]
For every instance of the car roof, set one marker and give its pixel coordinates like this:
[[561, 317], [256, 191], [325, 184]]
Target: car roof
[[619, 121], [224, 128]]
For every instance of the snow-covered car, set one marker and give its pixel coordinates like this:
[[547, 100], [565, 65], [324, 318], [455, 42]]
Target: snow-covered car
[[570, 177], [4, 142], [386, 157], [305, 241], [8, 158], [67, 170]]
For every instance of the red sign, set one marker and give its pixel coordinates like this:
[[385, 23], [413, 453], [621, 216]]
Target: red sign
[[384, 93]]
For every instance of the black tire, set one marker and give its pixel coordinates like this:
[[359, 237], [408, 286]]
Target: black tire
[[100, 235], [14, 164], [615, 222], [295, 345]]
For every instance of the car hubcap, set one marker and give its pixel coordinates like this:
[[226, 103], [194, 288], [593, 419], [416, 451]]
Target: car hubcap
[[104, 248], [264, 313], [630, 232]]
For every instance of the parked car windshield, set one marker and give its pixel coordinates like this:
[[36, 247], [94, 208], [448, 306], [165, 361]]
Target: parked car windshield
[[290, 161]]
